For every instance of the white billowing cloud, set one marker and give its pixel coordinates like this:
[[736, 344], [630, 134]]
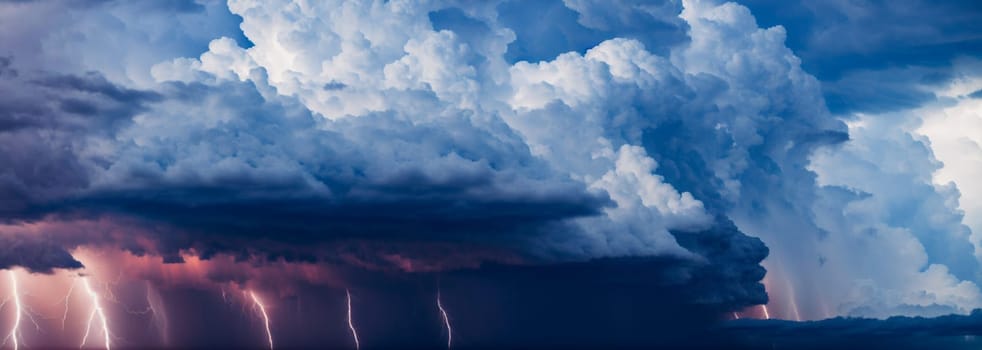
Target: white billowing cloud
[[571, 79], [954, 128], [768, 116], [566, 111], [633, 184], [435, 62], [768, 89], [224, 59], [590, 79], [816, 263], [379, 57], [906, 179], [897, 242], [338, 57]]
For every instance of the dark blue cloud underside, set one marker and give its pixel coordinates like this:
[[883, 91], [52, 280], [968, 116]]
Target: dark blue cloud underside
[[545, 29], [834, 42]]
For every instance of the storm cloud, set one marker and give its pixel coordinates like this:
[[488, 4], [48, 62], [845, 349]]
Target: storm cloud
[[676, 143], [34, 254]]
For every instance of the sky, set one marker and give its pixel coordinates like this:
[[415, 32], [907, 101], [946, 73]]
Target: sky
[[461, 174]]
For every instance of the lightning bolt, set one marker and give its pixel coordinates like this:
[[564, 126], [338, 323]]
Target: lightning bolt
[[794, 303], [351, 325], [767, 315], [96, 311], [736, 316], [262, 309], [15, 331], [155, 304], [446, 319], [794, 308], [64, 316], [21, 311]]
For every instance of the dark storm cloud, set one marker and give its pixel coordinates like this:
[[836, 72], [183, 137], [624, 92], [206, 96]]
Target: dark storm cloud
[[545, 29], [881, 91], [423, 143], [44, 119], [339, 180], [171, 5], [232, 166], [834, 37], [730, 277], [5, 70], [98, 85], [609, 303], [35, 255], [334, 186], [726, 279], [331, 182], [861, 48]]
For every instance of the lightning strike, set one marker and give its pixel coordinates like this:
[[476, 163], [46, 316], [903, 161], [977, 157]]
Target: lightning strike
[[351, 325], [736, 316], [159, 315], [794, 309], [88, 329], [64, 316], [446, 319], [18, 310], [794, 303], [97, 311], [767, 315], [262, 310]]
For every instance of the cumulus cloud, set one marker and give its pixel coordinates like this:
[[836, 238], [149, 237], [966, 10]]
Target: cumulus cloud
[[790, 211], [446, 72], [919, 230], [953, 127], [334, 126], [371, 126]]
